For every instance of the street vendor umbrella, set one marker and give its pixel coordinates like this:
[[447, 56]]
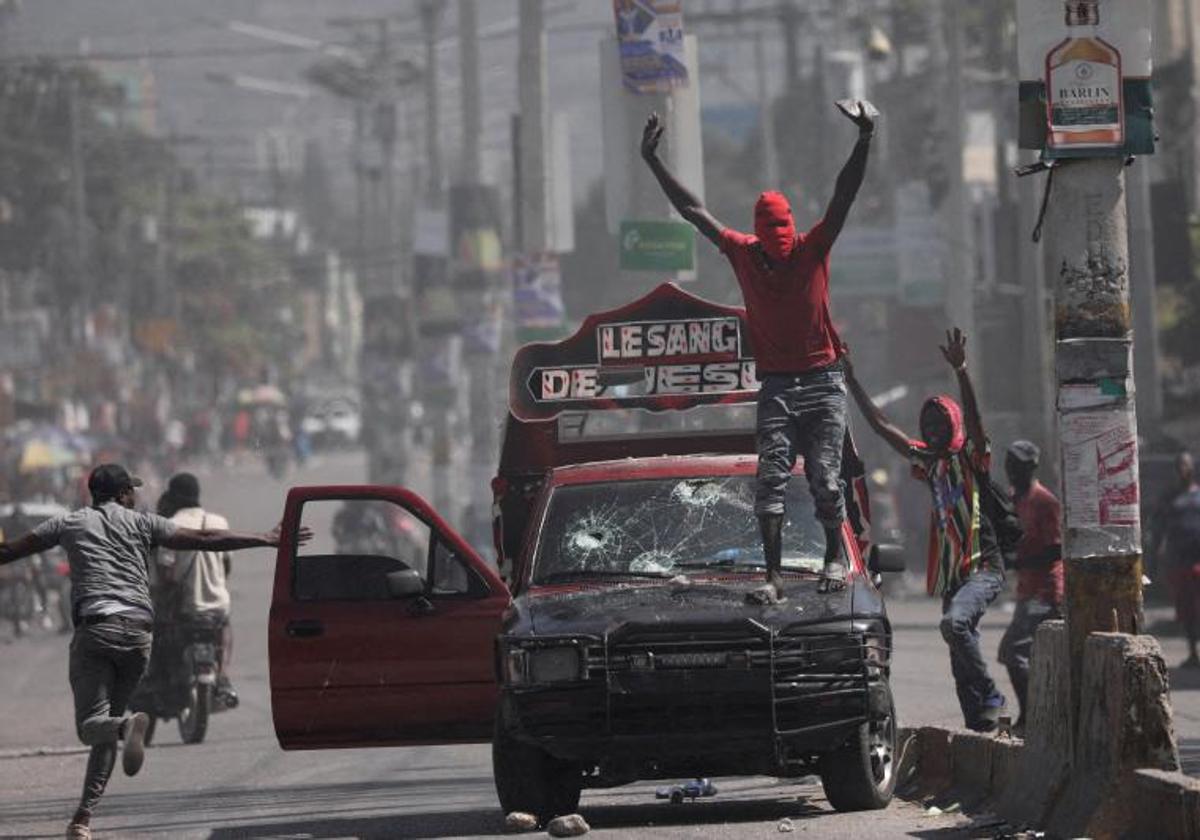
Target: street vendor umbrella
[[46, 455], [262, 395]]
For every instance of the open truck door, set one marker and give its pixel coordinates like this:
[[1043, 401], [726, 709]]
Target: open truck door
[[382, 628]]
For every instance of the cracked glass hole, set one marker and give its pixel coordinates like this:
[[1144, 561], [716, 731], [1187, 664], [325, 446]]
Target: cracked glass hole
[[697, 493]]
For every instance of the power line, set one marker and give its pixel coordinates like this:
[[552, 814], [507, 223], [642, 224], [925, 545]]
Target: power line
[[159, 55]]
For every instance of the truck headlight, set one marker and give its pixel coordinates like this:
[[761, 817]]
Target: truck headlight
[[542, 664], [553, 664]]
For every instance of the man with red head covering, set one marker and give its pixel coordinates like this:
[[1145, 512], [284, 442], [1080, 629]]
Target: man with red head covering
[[965, 566], [784, 278]]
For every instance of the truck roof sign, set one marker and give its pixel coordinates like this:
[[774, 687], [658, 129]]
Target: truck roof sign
[[669, 350]]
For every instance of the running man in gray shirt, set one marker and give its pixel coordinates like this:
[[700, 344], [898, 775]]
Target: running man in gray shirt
[[109, 545]]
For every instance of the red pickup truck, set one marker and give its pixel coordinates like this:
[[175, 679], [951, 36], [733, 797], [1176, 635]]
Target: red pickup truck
[[614, 643]]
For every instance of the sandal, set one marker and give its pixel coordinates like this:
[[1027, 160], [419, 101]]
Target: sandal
[[833, 577]]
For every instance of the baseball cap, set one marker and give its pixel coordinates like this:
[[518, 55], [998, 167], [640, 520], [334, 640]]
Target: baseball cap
[[110, 480], [1025, 451]]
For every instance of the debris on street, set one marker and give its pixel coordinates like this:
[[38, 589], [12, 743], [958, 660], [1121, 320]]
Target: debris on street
[[520, 821], [571, 825]]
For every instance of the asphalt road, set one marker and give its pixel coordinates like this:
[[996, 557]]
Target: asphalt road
[[239, 784]]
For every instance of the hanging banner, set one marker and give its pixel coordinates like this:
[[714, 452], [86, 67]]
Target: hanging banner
[[650, 39], [537, 298], [1085, 78]]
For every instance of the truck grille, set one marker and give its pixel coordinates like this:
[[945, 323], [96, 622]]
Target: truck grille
[[718, 683]]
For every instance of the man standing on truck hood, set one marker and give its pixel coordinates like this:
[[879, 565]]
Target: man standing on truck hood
[[109, 545], [784, 278]]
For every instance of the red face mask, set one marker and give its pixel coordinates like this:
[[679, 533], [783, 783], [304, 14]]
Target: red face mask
[[774, 226]]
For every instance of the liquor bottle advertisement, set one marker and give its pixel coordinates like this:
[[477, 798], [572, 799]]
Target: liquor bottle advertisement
[[1085, 77]]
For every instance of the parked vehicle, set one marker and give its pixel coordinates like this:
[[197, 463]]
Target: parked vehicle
[[618, 644]]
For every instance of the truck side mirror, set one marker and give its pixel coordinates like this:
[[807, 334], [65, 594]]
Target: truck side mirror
[[405, 583], [886, 558]]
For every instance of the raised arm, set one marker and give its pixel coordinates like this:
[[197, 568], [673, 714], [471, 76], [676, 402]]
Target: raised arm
[[955, 352], [862, 114], [892, 435], [193, 539], [681, 198], [25, 546]]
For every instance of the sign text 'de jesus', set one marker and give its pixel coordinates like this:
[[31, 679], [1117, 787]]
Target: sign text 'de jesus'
[[651, 356]]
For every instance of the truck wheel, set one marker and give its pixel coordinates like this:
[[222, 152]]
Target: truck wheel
[[530, 780], [193, 718], [860, 775]]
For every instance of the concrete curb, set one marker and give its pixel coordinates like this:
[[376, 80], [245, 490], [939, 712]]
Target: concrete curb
[[34, 752], [983, 772]]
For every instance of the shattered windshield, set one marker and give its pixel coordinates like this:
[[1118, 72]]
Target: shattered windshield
[[666, 527]]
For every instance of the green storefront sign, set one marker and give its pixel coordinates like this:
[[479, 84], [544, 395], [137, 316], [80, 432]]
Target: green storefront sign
[[657, 246]]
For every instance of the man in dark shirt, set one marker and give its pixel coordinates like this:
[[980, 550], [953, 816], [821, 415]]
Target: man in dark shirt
[[108, 545], [784, 278], [1039, 565]]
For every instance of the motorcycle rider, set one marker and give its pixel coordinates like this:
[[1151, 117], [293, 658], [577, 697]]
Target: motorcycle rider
[[198, 578]]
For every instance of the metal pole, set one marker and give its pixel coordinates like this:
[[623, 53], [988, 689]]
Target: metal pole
[[78, 216], [1088, 250], [1143, 269], [472, 115], [766, 125], [960, 291]]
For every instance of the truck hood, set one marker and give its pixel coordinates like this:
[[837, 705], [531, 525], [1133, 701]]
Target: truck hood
[[601, 609]]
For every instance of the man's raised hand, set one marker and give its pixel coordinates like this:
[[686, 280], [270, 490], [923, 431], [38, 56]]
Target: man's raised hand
[[860, 112], [651, 134], [955, 350]]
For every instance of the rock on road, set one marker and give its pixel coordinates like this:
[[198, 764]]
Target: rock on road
[[239, 784]]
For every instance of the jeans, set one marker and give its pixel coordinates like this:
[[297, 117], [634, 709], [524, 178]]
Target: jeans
[[961, 612], [1017, 644], [803, 415], [107, 661]]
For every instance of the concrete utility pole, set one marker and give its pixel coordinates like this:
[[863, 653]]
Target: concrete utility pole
[[532, 102], [1088, 249], [431, 16]]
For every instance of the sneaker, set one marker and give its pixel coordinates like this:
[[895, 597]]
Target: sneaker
[[134, 752], [765, 596], [79, 831]]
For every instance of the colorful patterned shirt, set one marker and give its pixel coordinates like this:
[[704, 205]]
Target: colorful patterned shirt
[[960, 539]]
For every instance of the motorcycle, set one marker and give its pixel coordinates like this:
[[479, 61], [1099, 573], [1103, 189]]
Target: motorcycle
[[181, 682]]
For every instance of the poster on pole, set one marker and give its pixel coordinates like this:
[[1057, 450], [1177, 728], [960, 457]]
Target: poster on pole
[[539, 313], [1085, 78], [1100, 477], [650, 40]]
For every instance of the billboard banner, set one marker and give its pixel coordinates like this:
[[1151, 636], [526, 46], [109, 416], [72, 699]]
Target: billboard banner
[[650, 39], [1085, 78]]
